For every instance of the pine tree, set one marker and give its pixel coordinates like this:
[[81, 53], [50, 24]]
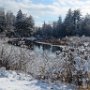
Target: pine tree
[[59, 27], [24, 25], [76, 18], [29, 26], [68, 23], [2, 20]]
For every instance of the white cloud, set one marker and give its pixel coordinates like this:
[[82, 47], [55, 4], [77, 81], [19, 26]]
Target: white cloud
[[40, 11]]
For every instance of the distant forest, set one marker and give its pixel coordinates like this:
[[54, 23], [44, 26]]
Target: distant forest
[[21, 25]]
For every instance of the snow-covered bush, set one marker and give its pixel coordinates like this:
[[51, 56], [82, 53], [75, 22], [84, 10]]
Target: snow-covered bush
[[72, 65], [14, 58]]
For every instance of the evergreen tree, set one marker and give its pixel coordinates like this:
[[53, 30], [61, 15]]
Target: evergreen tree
[[68, 23], [29, 26], [76, 19], [59, 27], [24, 25], [10, 22], [86, 25], [2, 20]]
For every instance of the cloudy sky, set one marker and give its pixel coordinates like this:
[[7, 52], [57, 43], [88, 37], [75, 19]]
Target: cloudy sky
[[45, 10]]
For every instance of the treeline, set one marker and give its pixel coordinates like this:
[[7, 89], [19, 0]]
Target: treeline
[[16, 26], [74, 24], [21, 25]]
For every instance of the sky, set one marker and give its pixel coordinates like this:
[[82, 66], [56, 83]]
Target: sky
[[45, 10]]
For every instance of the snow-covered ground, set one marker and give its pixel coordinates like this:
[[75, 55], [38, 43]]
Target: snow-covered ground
[[10, 80], [39, 64]]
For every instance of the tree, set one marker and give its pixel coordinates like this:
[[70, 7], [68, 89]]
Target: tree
[[72, 23], [24, 25], [20, 16], [10, 22], [2, 20], [46, 31], [10, 19], [86, 25], [76, 19], [29, 26], [19, 23], [54, 29], [68, 23], [59, 27]]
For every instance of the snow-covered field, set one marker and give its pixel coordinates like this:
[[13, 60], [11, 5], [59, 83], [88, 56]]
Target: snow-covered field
[[10, 80]]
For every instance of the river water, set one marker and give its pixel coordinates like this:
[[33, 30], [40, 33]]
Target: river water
[[51, 50]]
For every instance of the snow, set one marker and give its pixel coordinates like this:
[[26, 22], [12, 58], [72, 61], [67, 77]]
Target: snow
[[11, 80]]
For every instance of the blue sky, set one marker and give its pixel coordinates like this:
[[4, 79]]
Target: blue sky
[[46, 10], [43, 1]]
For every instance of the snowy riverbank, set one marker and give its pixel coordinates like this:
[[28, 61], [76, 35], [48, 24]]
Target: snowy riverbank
[[10, 80]]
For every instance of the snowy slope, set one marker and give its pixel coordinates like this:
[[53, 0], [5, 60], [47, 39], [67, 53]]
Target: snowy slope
[[10, 80]]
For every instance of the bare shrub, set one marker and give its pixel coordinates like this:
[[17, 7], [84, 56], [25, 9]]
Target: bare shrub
[[5, 58], [14, 58]]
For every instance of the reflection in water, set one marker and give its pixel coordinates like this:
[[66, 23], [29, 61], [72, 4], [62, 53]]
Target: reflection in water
[[49, 49]]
